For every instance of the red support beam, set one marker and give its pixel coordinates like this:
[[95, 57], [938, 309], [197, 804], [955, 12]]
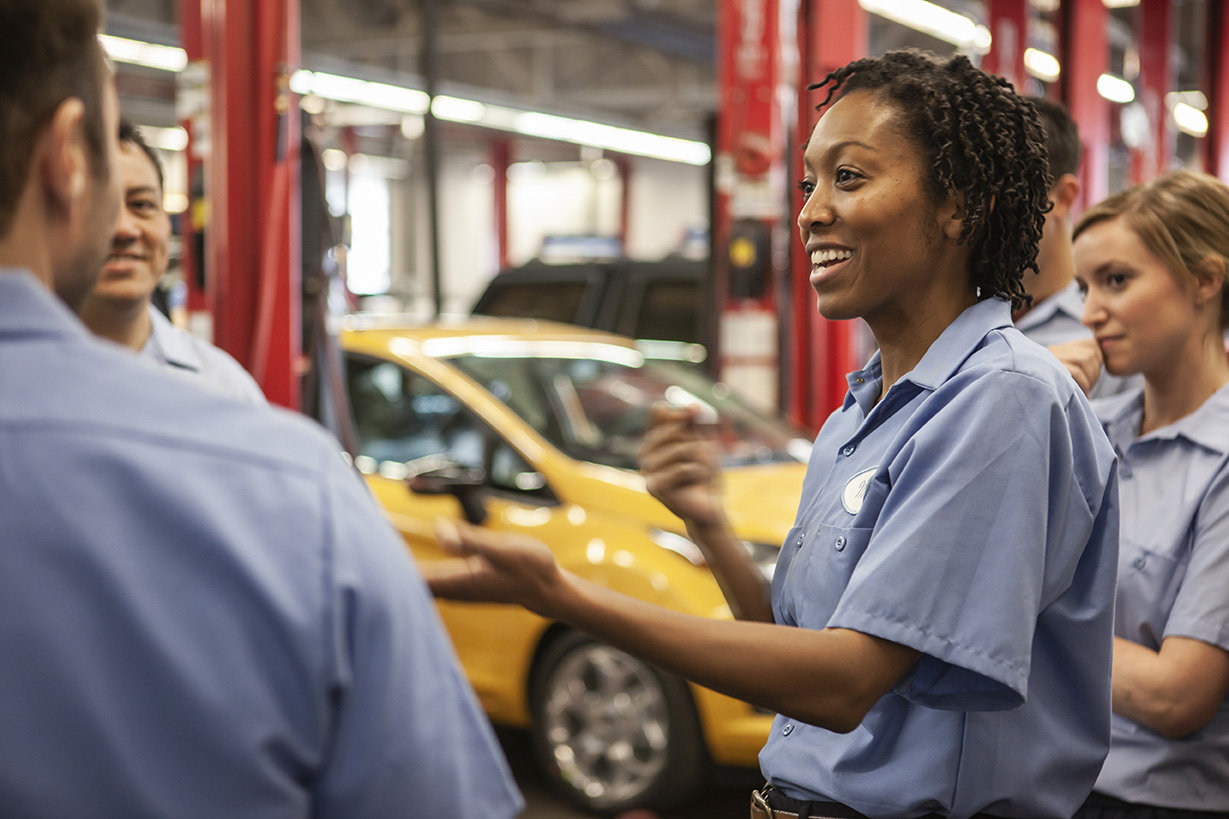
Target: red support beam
[[1216, 144], [253, 248], [501, 159], [1084, 54], [1009, 37], [831, 33], [1155, 61]]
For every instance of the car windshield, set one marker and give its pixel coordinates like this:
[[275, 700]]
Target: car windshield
[[595, 410]]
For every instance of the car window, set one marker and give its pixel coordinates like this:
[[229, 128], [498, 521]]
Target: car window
[[400, 415], [560, 301], [668, 310]]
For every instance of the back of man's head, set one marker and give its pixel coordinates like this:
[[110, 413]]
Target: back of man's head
[[49, 52], [1062, 137]]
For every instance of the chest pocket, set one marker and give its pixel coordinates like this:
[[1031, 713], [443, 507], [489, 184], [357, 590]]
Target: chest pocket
[[821, 562], [1148, 584]]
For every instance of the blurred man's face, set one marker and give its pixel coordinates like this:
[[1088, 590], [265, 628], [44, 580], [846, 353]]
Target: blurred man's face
[[93, 223], [138, 256]]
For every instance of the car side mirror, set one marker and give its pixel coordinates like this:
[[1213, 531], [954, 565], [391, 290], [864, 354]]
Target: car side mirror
[[437, 475]]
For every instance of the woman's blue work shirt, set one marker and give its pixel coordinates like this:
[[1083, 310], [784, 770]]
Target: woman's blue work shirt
[[972, 514], [1173, 580]]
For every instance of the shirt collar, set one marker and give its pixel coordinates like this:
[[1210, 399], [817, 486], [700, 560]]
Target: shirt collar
[[1207, 426], [1069, 300], [28, 308], [943, 358], [170, 344]]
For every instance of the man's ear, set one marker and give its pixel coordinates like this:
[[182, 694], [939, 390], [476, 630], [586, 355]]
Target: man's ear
[[1064, 193], [64, 161]]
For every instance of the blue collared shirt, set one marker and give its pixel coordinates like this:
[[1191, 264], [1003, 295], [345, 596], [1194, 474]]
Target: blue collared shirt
[[972, 515], [1173, 580], [202, 612], [180, 351], [1056, 320]]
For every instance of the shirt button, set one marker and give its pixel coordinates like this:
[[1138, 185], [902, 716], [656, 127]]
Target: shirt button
[[848, 450], [840, 543], [859, 381], [1124, 471], [1140, 563], [788, 729]]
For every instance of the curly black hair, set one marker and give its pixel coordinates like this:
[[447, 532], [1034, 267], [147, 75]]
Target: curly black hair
[[985, 144]]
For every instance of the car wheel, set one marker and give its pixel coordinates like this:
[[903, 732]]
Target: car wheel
[[612, 732]]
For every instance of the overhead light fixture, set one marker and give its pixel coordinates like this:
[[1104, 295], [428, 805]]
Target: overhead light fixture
[[455, 109], [1195, 99], [1115, 89], [150, 55], [934, 20], [1041, 65], [1120, 4], [361, 92], [1190, 120]]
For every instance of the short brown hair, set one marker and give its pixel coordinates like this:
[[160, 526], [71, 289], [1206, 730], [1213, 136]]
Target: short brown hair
[[49, 52], [1182, 217]]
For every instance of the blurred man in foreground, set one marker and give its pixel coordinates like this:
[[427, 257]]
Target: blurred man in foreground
[[202, 612]]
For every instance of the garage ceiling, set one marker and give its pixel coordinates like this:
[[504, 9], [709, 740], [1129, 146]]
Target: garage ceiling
[[647, 64]]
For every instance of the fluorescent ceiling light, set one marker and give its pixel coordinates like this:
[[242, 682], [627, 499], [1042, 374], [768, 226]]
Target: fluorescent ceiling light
[[1195, 99], [1190, 120], [150, 55], [1120, 4], [349, 89], [1115, 89], [1041, 65], [934, 20], [455, 109]]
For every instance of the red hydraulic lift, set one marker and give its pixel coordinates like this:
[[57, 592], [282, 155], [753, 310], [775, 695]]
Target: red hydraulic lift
[[1155, 60], [1216, 145], [1009, 38], [245, 148], [831, 33], [1084, 55]]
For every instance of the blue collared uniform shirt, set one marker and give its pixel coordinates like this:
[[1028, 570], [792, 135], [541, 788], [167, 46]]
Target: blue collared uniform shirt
[[181, 352], [1056, 320], [203, 613], [972, 515], [1173, 581]]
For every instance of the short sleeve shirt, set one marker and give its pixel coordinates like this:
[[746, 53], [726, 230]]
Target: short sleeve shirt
[[1173, 581], [972, 515], [180, 351], [202, 611]]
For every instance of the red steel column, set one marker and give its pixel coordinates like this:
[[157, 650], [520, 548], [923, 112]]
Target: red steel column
[[252, 257], [1155, 52], [1216, 144], [1084, 54], [750, 197], [1009, 37], [831, 33], [501, 158]]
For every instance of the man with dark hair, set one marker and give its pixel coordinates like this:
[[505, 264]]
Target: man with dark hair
[[1053, 318], [202, 611], [120, 306]]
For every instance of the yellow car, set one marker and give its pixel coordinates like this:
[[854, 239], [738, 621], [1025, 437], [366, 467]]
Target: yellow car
[[533, 427]]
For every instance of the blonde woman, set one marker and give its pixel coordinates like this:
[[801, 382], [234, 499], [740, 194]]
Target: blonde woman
[[1152, 262]]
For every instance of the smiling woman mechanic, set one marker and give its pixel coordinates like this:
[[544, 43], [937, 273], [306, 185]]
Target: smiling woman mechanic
[[938, 635], [1152, 261]]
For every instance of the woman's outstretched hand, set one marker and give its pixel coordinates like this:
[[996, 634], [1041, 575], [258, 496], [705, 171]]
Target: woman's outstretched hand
[[494, 567], [680, 465]]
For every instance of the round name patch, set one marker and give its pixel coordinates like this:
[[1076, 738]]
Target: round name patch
[[855, 491]]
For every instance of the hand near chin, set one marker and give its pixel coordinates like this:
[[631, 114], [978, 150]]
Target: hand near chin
[[1082, 359], [494, 567]]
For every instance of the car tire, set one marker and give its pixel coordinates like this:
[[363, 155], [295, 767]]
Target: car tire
[[611, 732]]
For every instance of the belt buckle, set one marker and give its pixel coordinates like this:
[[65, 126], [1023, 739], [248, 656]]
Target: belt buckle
[[758, 800]]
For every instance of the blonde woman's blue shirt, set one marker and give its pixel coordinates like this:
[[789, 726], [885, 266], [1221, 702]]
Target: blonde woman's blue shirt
[[1173, 581], [972, 515]]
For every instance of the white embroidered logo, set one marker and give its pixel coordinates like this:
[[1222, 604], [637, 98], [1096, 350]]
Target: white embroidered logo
[[855, 491]]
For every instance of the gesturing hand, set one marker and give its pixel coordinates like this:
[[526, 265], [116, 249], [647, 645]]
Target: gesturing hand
[[680, 466], [494, 567]]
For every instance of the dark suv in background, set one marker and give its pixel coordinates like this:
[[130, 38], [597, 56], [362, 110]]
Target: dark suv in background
[[663, 300]]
